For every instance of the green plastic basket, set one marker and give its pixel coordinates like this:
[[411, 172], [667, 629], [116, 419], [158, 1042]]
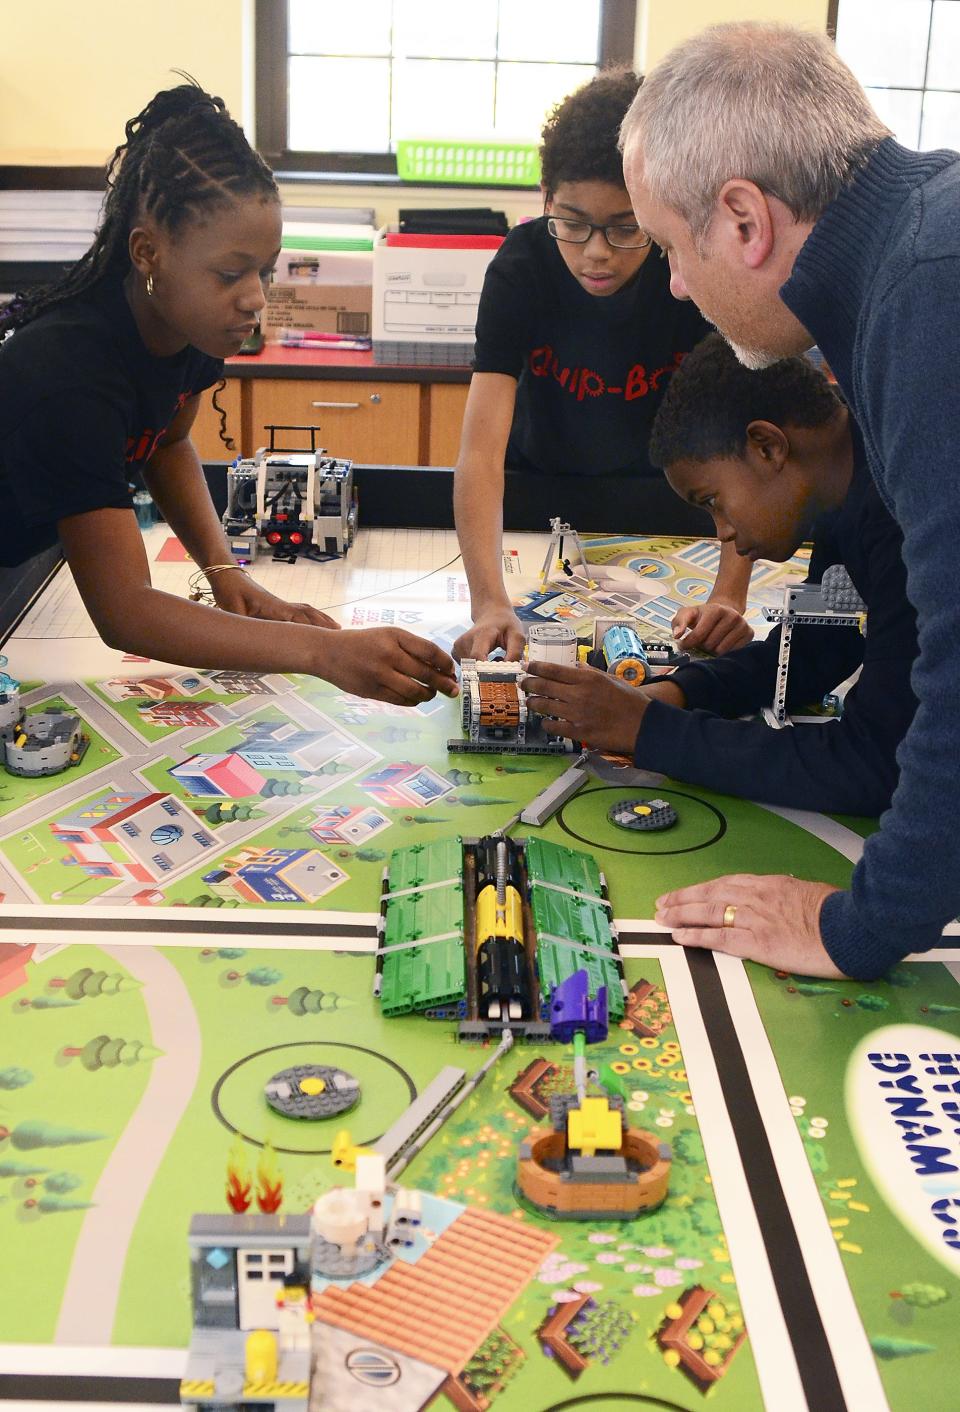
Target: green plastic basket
[[469, 163]]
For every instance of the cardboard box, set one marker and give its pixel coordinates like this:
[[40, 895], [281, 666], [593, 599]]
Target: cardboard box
[[318, 308], [337, 267], [426, 295]]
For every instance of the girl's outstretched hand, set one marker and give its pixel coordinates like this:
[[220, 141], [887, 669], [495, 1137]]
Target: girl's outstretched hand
[[239, 593], [388, 664]]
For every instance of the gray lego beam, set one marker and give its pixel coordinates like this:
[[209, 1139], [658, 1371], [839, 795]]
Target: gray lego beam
[[549, 800], [421, 1113]]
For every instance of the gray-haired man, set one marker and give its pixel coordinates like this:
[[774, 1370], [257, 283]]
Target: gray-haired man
[[791, 217]]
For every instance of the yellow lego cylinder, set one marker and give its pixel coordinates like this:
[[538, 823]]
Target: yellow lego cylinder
[[505, 921], [260, 1357]]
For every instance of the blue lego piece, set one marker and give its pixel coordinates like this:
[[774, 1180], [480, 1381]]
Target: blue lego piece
[[572, 1011]]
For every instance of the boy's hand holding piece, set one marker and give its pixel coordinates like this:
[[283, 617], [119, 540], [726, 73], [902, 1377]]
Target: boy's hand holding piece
[[589, 706], [714, 626]]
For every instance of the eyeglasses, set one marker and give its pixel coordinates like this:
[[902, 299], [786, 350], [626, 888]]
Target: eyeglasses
[[579, 232]]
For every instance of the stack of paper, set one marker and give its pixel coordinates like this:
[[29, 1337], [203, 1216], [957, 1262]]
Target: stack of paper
[[47, 225]]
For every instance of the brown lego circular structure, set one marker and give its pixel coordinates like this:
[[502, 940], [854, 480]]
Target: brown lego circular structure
[[604, 1188]]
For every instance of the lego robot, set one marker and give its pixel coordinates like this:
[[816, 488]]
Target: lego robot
[[298, 504], [494, 712], [834, 602]]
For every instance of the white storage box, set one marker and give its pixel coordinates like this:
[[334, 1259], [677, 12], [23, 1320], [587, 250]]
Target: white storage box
[[426, 294]]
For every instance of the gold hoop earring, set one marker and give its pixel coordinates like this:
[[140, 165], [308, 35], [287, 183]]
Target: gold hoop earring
[[150, 285]]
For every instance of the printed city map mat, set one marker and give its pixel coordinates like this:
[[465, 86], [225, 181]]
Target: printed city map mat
[[132, 1079], [132, 1084], [874, 1090], [225, 790], [648, 578]]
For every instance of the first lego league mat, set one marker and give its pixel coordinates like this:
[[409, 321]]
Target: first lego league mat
[[192, 910]]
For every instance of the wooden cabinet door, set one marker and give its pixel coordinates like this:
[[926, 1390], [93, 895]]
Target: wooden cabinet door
[[447, 401], [205, 432], [377, 422]]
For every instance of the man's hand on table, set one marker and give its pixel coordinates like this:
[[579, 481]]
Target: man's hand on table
[[495, 627], [776, 920], [714, 626]]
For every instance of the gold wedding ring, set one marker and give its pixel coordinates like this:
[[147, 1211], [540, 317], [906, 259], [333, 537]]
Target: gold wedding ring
[[729, 915]]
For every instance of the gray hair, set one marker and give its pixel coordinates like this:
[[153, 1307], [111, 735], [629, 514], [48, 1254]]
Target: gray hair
[[765, 102]]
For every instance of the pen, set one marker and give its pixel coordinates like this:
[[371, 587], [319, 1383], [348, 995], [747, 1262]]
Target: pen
[[314, 336]]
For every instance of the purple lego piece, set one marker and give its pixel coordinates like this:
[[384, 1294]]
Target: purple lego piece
[[572, 1010]]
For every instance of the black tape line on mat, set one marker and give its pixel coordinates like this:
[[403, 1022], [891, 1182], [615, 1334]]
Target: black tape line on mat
[[246, 925], [60, 1388], [818, 1373]]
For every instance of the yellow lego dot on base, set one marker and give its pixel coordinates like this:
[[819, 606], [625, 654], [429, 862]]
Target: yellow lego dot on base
[[673, 1311], [671, 1357], [311, 1087], [642, 809]]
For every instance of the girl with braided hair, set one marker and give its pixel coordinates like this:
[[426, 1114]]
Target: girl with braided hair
[[100, 376]]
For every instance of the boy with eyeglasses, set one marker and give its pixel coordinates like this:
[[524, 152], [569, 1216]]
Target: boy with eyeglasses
[[577, 335]]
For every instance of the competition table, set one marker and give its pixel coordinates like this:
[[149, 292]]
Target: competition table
[[176, 926]]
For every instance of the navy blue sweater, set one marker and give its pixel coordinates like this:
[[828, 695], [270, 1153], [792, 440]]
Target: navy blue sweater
[[846, 766], [877, 284]]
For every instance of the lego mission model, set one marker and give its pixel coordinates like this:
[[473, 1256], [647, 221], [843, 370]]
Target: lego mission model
[[297, 504], [482, 931], [42, 743]]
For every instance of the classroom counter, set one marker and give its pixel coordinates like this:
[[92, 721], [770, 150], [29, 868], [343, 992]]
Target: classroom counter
[[276, 362]]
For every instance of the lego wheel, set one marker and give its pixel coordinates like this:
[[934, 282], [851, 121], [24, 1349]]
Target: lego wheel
[[642, 815]]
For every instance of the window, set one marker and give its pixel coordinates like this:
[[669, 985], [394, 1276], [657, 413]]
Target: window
[[339, 85], [904, 52]]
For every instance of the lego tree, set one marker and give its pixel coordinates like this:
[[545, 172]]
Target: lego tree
[[102, 1052], [85, 983], [306, 1001]]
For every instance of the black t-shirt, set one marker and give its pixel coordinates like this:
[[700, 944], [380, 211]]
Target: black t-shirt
[[83, 405], [591, 369]]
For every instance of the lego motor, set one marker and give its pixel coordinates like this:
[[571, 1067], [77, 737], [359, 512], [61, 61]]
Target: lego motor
[[623, 654]]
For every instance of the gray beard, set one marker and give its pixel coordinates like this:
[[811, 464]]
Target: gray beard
[[754, 358]]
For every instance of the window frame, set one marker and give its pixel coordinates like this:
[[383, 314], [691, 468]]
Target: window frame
[[833, 15], [617, 35]]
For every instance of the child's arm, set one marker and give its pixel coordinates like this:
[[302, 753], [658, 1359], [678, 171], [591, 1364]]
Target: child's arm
[[174, 477], [478, 514], [718, 625], [845, 767], [104, 549]]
